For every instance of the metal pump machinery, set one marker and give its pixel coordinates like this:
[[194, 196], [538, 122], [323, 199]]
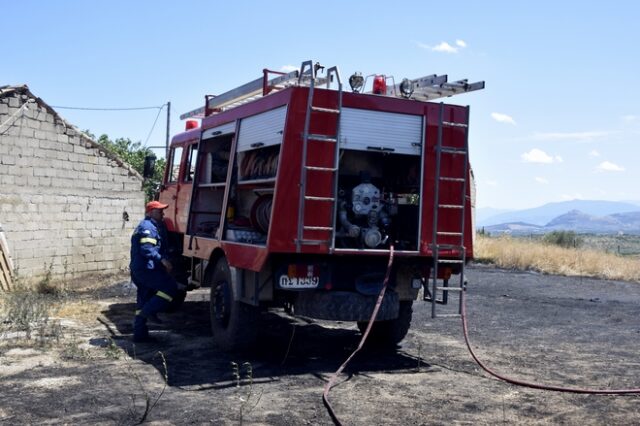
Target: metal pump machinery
[[366, 217]]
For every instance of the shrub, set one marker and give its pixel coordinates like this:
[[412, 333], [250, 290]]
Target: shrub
[[565, 239]]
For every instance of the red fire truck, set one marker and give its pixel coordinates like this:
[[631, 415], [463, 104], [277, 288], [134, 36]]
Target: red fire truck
[[291, 193]]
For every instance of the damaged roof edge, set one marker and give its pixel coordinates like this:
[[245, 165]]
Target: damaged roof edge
[[24, 90]]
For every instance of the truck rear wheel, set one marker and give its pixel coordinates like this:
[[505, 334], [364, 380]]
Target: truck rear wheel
[[233, 323], [388, 334]]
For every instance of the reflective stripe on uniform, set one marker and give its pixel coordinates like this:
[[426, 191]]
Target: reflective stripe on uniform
[[164, 295], [148, 240], [138, 311]]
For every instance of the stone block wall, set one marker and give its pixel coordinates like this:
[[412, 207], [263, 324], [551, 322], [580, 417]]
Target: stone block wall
[[67, 206]]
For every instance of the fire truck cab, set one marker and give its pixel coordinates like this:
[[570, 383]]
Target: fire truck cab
[[292, 192]]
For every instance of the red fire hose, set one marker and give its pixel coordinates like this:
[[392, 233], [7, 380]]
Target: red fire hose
[[465, 331], [332, 379]]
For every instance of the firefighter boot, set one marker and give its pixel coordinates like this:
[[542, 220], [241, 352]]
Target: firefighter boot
[[140, 329]]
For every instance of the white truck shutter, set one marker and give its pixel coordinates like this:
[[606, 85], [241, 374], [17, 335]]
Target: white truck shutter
[[262, 129], [366, 130], [224, 129]]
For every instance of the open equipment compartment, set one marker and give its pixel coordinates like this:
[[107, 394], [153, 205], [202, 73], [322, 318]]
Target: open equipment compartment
[[208, 193], [378, 200]]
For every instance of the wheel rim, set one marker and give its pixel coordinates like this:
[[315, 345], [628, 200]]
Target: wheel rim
[[222, 303]]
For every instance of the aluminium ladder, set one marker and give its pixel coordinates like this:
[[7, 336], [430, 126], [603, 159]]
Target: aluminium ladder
[[314, 112], [458, 258]]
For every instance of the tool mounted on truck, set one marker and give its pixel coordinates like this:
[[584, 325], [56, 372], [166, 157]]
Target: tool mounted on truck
[[291, 192]]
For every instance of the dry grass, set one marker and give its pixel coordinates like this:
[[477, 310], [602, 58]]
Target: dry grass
[[82, 310], [511, 253]]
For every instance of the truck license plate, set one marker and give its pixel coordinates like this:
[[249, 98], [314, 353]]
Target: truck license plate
[[298, 282]]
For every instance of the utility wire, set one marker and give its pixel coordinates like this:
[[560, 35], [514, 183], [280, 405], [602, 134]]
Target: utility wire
[[108, 109], [154, 124]]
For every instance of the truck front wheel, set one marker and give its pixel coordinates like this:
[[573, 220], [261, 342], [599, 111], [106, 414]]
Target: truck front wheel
[[233, 323], [388, 334]]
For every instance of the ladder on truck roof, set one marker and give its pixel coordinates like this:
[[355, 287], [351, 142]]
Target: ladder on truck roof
[[253, 90], [425, 88], [456, 251]]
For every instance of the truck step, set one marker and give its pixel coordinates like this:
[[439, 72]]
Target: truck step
[[449, 288], [327, 110], [450, 261], [328, 199], [450, 206], [322, 138]]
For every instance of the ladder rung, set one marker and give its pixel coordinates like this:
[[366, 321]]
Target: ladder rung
[[309, 197], [450, 206], [450, 234], [322, 138], [318, 228], [329, 110], [460, 151], [450, 288], [452, 124], [448, 315], [321, 169], [450, 261], [452, 179], [313, 242]]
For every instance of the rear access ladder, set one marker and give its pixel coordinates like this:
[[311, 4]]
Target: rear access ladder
[[455, 252], [307, 197]]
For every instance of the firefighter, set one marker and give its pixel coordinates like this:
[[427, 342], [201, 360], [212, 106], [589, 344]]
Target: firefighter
[[151, 269]]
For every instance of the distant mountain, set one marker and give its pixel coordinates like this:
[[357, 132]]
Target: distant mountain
[[544, 214], [577, 221], [484, 213]]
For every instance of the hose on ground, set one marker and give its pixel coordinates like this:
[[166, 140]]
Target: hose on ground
[[531, 384], [333, 378]]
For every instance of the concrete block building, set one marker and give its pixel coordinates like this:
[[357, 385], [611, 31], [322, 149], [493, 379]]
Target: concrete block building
[[67, 206]]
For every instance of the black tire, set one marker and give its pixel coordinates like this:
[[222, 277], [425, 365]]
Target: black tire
[[176, 302], [234, 324], [388, 334]]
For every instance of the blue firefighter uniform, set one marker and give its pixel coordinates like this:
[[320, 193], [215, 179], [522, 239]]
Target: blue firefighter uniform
[[156, 288]]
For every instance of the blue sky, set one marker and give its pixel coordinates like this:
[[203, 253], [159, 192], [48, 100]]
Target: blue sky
[[559, 118]]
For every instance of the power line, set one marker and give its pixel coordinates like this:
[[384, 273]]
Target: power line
[[154, 125], [108, 109]]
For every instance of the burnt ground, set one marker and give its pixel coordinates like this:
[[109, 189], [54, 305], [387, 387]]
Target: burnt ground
[[558, 330]]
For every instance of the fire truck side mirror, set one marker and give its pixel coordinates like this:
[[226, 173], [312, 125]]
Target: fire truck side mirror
[[149, 166]]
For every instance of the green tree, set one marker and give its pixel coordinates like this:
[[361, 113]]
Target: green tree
[[133, 153]]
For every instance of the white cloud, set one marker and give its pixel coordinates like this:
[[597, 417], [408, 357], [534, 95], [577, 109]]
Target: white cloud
[[444, 46], [288, 68], [539, 156], [489, 182], [630, 117], [607, 166], [541, 180], [503, 118], [594, 153], [576, 136]]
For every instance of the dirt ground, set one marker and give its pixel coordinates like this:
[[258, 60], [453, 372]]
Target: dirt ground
[[557, 330]]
